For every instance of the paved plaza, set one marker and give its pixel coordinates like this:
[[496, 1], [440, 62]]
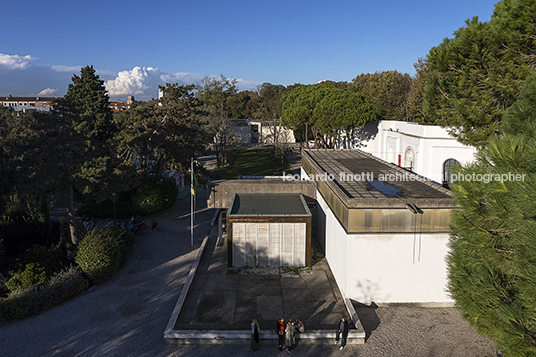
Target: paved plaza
[[227, 300]]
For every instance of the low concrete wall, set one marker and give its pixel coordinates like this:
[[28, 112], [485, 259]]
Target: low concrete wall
[[355, 337], [220, 192]]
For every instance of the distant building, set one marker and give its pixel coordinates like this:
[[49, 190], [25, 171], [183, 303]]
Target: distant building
[[121, 105], [246, 131], [427, 150], [23, 103]]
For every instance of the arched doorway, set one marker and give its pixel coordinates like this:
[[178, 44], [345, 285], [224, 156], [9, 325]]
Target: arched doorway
[[409, 158]]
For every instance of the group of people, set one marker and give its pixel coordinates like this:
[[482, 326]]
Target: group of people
[[137, 225], [286, 333], [89, 223]]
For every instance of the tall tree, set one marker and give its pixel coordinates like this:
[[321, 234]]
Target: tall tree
[[415, 109], [475, 76], [215, 95], [386, 90], [326, 109], [24, 147], [492, 264], [157, 136], [85, 128]]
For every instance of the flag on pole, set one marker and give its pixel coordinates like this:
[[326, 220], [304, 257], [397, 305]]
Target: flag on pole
[[194, 185]]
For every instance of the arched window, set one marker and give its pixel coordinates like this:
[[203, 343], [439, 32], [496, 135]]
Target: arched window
[[449, 166], [409, 159]]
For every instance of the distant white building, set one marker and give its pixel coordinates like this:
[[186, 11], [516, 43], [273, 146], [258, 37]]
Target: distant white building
[[427, 150], [246, 131], [27, 103]]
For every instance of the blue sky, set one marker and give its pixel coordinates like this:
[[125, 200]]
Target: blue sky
[[134, 45]]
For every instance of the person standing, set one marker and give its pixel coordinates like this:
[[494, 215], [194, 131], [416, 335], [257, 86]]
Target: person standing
[[342, 332], [289, 335], [280, 330], [299, 326], [255, 334]]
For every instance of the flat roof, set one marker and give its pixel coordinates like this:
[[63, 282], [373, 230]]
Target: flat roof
[[362, 180], [268, 204]]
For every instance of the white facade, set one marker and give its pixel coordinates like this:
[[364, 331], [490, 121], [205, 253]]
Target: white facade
[[423, 149], [384, 268]]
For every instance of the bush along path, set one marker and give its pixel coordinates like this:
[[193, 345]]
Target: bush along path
[[44, 276], [127, 314], [98, 256]]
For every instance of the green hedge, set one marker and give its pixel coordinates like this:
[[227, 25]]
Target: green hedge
[[154, 196], [62, 286], [34, 275], [101, 253]]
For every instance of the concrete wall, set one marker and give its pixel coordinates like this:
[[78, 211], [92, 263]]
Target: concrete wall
[[241, 133], [423, 147], [384, 268], [269, 244], [220, 192]]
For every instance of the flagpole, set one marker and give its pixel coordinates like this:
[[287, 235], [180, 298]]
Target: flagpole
[[192, 204]]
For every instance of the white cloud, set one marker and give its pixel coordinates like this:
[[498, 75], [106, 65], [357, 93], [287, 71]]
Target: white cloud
[[244, 84], [16, 61], [20, 77], [70, 69], [48, 91], [144, 81]]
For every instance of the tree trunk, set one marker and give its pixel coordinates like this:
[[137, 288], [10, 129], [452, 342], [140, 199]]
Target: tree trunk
[[70, 213], [306, 137]]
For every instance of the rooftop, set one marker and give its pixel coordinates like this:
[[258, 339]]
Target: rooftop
[[362, 180], [269, 204]]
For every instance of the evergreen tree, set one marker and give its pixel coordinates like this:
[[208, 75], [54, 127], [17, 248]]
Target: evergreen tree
[[387, 91], [326, 110], [475, 76], [492, 264], [85, 128]]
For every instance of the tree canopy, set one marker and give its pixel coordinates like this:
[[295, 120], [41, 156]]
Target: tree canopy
[[82, 152], [326, 109], [475, 76], [386, 90], [492, 264], [156, 136]]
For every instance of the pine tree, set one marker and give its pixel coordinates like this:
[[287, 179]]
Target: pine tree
[[85, 128], [492, 264], [475, 76]]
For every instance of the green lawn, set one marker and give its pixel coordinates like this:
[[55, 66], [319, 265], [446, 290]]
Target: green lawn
[[253, 163]]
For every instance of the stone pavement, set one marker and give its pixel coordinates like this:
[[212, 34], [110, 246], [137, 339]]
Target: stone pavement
[[219, 300], [218, 303]]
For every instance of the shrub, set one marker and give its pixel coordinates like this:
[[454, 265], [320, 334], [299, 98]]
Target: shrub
[[101, 253], [16, 306], [51, 258], [62, 286], [32, 276], [154, 196]]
